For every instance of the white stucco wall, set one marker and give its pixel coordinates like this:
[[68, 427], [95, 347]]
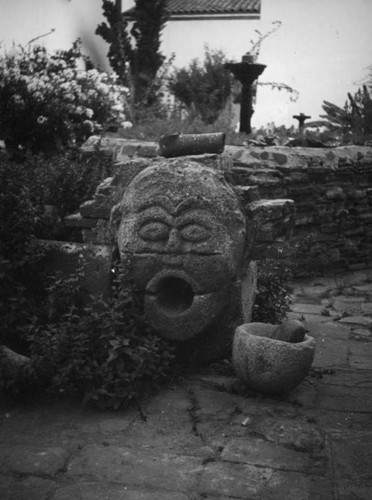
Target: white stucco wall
[[24, 20], [322, 49]]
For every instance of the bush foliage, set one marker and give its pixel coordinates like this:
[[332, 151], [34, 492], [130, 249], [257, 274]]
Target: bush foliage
[[273, 291], [104, 352], [203, 88], [48, 102]]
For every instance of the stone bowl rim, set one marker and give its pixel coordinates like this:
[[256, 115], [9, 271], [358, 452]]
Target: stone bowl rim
[[308, 339]]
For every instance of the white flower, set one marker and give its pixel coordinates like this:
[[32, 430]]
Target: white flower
[[41, 120], [89, 113], [127, 124], [117, 107]]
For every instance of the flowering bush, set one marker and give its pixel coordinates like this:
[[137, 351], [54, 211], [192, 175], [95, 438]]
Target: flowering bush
[[48, 100]]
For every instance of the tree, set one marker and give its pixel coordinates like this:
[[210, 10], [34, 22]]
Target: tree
[[134, 52], [203, 88]]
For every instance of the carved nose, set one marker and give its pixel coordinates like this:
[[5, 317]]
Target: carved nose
[[173, 241]]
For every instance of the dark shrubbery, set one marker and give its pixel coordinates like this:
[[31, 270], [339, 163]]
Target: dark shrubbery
[[35, 193], [104, 352], [273, 291]]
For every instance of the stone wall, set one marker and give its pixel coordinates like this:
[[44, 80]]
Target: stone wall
[[332, 190]]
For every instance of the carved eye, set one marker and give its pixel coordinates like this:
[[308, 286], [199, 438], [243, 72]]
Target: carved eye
[[195, 233], [154, 231]]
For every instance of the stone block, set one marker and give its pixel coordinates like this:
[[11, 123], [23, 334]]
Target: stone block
[[264, 180], [77, 220], [96, 209]]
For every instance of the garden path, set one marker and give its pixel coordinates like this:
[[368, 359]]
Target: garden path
[[206, 437]]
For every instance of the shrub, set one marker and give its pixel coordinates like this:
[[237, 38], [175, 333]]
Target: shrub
[[21, 216], [203, 88], [273, 291], [353, 122], [47, 101], [26, 189], [103, 352]]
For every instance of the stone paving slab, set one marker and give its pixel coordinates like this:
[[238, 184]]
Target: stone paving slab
[[110, 491], [209, 437], [136, 467], [256, 451], [32, 460]]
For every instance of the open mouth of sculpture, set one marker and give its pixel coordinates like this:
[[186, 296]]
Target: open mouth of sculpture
[[176, 306], [174, 295]]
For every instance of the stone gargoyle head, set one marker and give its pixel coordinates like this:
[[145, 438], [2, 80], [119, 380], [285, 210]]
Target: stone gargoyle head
[[190, 236]]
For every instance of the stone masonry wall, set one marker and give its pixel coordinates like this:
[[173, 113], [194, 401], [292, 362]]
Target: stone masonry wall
[[332, 190]]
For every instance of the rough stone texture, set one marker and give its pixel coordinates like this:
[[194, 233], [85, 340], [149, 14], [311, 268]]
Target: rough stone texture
[[109, 491], [189, 236], [20, 459], [120, 464], [267, 364], [331, 188], [332, 192]]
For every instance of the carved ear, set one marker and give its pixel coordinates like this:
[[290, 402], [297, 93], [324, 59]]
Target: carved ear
[[268, 221], [273, 221], [115, 217]]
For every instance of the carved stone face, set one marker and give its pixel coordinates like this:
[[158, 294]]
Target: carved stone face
[[183, 230]]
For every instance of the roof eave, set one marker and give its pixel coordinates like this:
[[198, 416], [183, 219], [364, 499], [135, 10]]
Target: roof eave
[[211, 17]]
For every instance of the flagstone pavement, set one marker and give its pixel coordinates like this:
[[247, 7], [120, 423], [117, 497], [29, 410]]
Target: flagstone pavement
[[206, 436]]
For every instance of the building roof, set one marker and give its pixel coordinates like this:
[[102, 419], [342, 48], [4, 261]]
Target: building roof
[[210, 9]]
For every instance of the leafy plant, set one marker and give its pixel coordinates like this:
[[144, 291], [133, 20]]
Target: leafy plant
[[203, 88], [36, 193], [273, 291], [134, 54], [355, 117], [47, 101], [103, 351]]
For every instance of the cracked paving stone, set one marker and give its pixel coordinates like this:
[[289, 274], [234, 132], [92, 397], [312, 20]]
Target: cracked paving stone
[[136, 467], [296, 486], [22, 459], [360, 355], [356, 320], [236, 480], [170, 431], [307, 308], [255, 451], [329, 353], [214, 402], [109, 491], [297, 433], [352, 456], [30, 488], [353, 491]]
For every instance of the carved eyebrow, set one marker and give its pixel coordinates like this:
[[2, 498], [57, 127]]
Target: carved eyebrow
[[192, 203], [167, 205], [162, 203]]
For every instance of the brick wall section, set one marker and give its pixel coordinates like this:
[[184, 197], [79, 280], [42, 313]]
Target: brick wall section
[[332, 190]]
